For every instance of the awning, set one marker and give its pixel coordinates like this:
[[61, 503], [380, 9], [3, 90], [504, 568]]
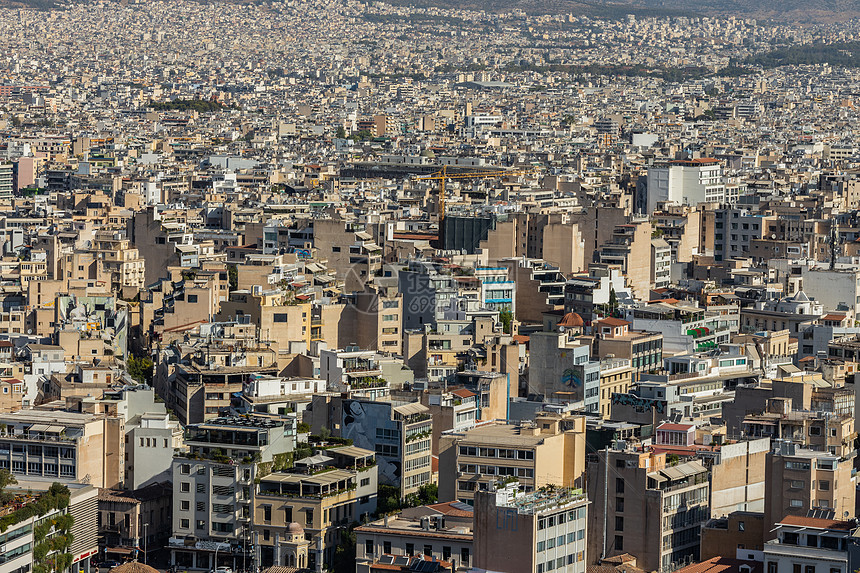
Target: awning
[[37, 428], [120, 550], [55, 429]]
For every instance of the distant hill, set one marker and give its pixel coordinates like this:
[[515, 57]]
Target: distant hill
[[783, 10]]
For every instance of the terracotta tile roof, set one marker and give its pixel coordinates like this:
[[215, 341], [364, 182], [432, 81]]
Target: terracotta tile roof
[[721, 565], [463, 393], [448, 509], [610, 321], [816, 522]]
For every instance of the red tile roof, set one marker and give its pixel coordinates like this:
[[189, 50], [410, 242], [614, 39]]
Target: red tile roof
[[463, 393], [675, 427], [816, 522], [720, 565], [610, 321]]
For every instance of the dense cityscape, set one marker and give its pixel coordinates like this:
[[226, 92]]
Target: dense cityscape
[[350, 286]]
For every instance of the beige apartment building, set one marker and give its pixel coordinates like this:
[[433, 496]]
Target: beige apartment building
[[321, 498], [279, 318], [550, 451], [802, 480], [647, 508], [616, 377], [629, 249], [65, 446], [120, 261]]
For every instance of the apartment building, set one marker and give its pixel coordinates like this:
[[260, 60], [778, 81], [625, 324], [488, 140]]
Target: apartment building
[[399, 433], [651, 510], [44, 445], [203, 390], [539, 531], [643, 349], [629, 249], [812, 543], [120, 261], [803, 480], [213, 486], [683, 182], [441, 531], [135, 522], [549, 451], [685, 328], [320, 496]]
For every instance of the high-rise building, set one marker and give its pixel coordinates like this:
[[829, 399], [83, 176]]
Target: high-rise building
[[213, 487], [645, 507]]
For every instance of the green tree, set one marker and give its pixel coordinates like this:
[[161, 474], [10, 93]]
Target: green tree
[[341, 132], [506, 317], [387, 499], [233, 277], [303, 428], [140, 369], [613, 302], [428, 493], [344, 553]]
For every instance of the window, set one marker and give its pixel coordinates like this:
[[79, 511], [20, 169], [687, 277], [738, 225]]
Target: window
[[810, 569], [201, 488], [410, 549], [796, 503], [279, 317], [201, 524], [185, 505], [201, 506], [428, 550], [619, 523], [619, 504], [185, 487], [619, 543], [741, 526], [619, 485], [464, 556], [267, 513], [368, 547], [185, 469], [771, 567], [386, 547], [192, 298], [309, 517], [266, 535], [184, 523], [824, 485], [446, 553]]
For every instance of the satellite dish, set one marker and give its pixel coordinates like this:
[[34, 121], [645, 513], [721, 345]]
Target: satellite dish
[[561, 329], [773, 236]]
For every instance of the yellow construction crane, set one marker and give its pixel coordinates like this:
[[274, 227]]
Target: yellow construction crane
[[442, 176]]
